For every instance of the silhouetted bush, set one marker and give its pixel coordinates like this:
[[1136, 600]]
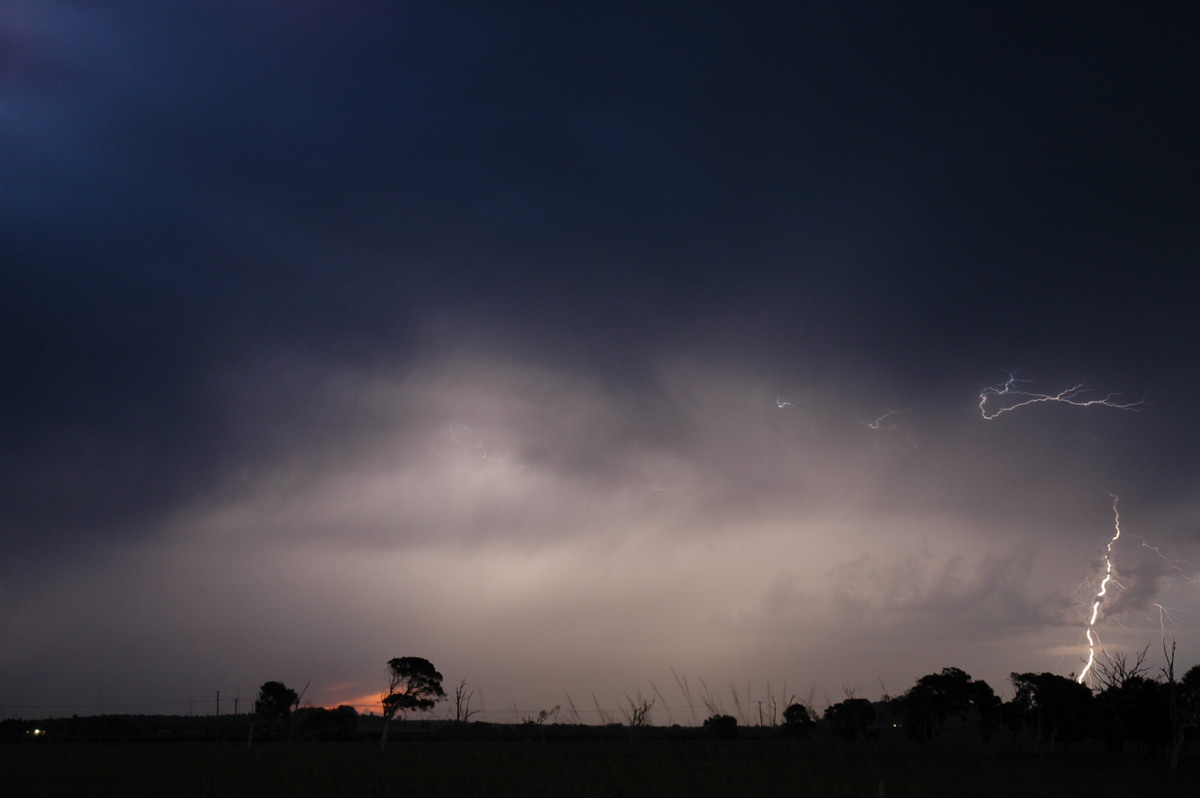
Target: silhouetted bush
[[723, 727]]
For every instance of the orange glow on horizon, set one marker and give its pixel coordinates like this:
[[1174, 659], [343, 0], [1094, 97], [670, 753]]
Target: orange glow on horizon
[[369, 702]]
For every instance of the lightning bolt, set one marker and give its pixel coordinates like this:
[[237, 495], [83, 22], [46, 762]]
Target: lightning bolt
[[1166, 614], [1172, 564], [877, 424], [1009, 395], [1102, 592], [1075, 395], [789, 407]]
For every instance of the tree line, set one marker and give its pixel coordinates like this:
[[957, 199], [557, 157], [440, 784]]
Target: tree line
[[1130, 707]]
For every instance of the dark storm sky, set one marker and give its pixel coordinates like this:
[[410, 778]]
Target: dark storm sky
[[545, 343]]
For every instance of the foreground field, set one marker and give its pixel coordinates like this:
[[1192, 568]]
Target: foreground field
[[599, 768]]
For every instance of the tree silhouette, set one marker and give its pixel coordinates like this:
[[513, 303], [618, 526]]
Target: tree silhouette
[[326, 724], [462, 703], [987, 704], [940, 696], [798, 720], [413, 685], [275, 703], [723, 727], [1137, 712], [1055, 707], [1189, 697], [849, 719]]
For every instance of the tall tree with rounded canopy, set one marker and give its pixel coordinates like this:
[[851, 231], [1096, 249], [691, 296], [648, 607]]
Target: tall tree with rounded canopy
[[1055, 707], [275, 703], [939, 696], [413, 684]]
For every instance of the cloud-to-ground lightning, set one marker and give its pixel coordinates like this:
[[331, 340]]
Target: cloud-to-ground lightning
[[1009, 396], [1102, 592], [1075, 395]]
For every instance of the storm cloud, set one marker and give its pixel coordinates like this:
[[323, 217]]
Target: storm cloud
[[576, 348]]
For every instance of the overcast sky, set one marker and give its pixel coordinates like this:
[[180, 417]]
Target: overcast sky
[[585, 349]]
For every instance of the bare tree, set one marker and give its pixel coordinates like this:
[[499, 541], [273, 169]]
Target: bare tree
[[639, 711], [1116, 671], [462, 703], [541, 717], [1179, 717]]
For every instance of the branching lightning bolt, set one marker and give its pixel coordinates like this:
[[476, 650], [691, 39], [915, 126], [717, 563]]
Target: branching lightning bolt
[[1008, 396], [1075, 395], [1172, 564], [1166, 614], [1102, 592]]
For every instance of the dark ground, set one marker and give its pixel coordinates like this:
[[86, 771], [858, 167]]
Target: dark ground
[[581, 767]]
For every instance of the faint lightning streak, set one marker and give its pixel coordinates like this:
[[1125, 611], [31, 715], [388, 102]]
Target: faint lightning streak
[[876, 424], [1108, 577], [1075, 395], [879, 425], [478, 445], [1172, 564], [1166, 614]]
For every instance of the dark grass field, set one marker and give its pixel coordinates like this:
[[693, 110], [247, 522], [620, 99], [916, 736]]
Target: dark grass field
[[608, 768]]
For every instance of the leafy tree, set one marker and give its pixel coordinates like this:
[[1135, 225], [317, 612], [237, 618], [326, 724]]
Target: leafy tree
[[798, 720], [939, 696], [1189, 697], [275, 704], [413, 684], [275, 701], [1055, 707], [988, 705], [850, 719]]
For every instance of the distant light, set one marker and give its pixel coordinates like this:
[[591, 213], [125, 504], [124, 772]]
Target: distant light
[[37, 732]]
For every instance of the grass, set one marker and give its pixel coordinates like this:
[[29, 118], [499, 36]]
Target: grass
[[599, 768]]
